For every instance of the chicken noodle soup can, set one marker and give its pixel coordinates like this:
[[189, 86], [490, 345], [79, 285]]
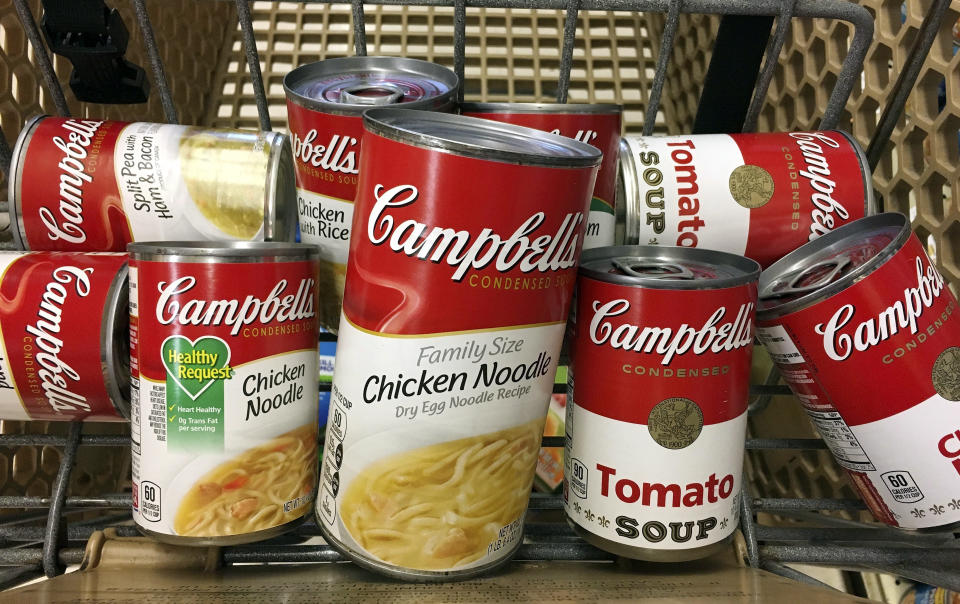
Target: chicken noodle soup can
[[223, 348], [457, 292], [63, 325], [93, 185], [759, 195], [865, 303], [657, 403], [595, 124], [325, 102]]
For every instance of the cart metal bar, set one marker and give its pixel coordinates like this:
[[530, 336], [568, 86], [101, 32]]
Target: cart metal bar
[[770, 504], [847, 555], [838, 534], [748, 527], [763, 393], [253, 63], [908, 76], [156, 63], [50, 81], [566, 54], [75, 532], [790, 573], [940, 577], [663, 60], [55, 521], [16, 556], [103, 502], [770, 63], [460, 44], [52, 440], [359, 28]]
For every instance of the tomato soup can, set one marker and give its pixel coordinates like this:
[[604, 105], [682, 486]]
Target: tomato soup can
[[325, 104], [468, 234], [63, 325], [657, 399], [865, 332], [595, 124], [94, 185], [758, 195], [223, 348]]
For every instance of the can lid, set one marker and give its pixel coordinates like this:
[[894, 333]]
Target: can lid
[[222, 251], [351, 85], [115, 345], [579, 108], [662, 267], [830, 263], [280, 199], [480, 138]]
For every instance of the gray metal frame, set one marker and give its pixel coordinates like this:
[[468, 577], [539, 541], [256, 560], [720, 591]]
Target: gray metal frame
[[822, 539]]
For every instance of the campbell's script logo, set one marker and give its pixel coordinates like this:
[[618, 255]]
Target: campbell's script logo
[[45, 333], [73, 175], [334, 156], [840, 342], [278, 306], [466, 251], [711, 336], [818, 173]]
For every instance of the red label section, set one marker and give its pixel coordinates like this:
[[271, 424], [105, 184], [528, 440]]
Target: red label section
[[326, 151]]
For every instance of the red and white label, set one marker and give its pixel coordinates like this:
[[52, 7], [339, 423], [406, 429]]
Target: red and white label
[[52, 309], [459, 280], [657, 416], [876, 368], [602, 130], [757, 195]]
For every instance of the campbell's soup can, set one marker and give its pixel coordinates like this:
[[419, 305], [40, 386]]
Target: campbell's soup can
[[325, 104], [864, 330], [223, 353], [757, 195], [457, 292], [94, 185], [595, 124], [63, 324], [657, 399]]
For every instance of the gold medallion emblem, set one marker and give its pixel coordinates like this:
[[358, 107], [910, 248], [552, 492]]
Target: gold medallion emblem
[[675, 422], [751, 186], [946, 374]]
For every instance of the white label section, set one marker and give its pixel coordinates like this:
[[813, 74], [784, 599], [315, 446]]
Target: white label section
[[684, 192], [445, 427], [914, 453], [325, 222], [600, 230], [625, 487], [779, 344]]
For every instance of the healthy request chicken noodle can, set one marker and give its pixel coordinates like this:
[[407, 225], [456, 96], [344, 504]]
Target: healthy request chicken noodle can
[[456, 297], [224, 389]]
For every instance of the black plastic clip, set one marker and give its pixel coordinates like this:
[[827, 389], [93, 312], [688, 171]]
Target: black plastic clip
[[94, 38]]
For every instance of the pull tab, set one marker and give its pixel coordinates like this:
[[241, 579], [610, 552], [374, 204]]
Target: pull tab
[[835, 266], [635, 267], [371, 93]]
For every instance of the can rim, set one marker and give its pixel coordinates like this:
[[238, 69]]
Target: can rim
[[223, 251], [794, 262], [548, 108], [116, 373], [749, 269], [15, 180], [870, 199], [279, 190], [346, 65], [627, 167], [401, 125]]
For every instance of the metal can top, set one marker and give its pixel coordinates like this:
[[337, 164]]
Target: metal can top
[[115, 355], [829, 264], [227, 251], [480, 138], [661, 267], [584, 108], [351, 85]]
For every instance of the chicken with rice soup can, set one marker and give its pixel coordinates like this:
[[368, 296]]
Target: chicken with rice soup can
[[757, 195], [595, 124], [657, 399], [325, 104], [865, 300], [223, 348], [468, 234], [63, 320], [94, 185]]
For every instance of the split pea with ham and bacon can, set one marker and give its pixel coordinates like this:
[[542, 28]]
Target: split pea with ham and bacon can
[[758, 195], [325, 105], [95, 185], [223, 355], [463, 260], [595, 124], [63, 320], [866, 301], [657, 399]]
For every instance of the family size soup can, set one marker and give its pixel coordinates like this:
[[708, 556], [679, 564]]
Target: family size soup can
[[325, 104], [94, 185], [63, 325], [865, 332], [595, 124], [657, 399], [468, 234], [758, 195], [223, 352]]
